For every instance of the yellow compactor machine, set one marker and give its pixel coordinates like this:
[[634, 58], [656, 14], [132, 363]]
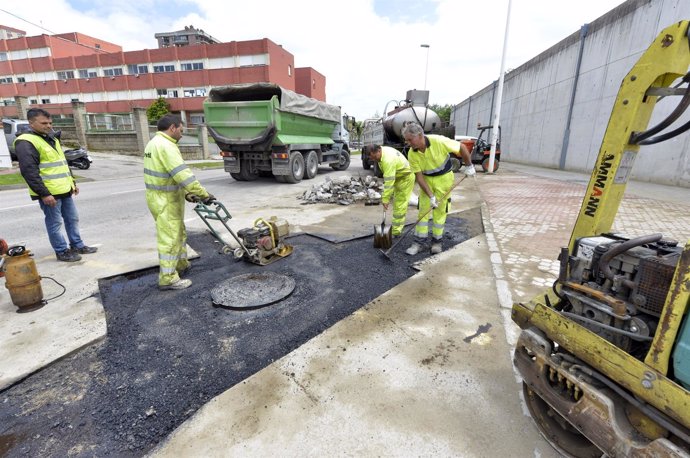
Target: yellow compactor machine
[[605, 354]]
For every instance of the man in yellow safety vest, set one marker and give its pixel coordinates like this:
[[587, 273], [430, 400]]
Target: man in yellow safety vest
[[398, 181], [44, 168], [168, 179], [429, 158]]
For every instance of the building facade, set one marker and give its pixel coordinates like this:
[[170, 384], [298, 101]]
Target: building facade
[[52, 71]]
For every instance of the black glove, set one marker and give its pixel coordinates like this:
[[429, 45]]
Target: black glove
[[193, 198], [209, 200]]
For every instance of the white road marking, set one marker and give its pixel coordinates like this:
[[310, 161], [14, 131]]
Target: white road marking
[[18, 206]]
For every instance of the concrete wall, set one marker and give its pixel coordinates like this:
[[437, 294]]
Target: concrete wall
[[122, 142], [537, 95]]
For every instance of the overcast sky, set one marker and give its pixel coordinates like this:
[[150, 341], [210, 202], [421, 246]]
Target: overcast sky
[[369, 50]]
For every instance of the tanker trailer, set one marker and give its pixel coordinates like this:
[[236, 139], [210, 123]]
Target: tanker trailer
[[263, 129], [387, 130]]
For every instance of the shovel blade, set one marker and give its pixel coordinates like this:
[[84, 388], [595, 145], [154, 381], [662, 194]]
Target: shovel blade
[[383, 237]]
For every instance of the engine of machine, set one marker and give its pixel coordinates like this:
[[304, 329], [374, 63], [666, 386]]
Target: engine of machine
[[264, 242], [617, 287]]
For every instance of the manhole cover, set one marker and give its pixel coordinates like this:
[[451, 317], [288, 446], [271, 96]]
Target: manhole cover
[[252, 290]]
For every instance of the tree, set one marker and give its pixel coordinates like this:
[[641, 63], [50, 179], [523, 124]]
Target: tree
[[158, 108], [443, 112]]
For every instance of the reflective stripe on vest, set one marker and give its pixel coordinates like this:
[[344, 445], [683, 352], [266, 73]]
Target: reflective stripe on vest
[[441, 169], [53, 167]]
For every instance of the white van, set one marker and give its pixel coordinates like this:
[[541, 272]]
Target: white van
[[12, 128]]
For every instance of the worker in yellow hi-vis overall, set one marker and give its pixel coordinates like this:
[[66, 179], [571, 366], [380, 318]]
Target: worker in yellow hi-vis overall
[[429, 158], [168, 179], [398, 181]]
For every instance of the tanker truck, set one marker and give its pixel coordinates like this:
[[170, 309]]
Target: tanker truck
[[263, 129], [387, 130]]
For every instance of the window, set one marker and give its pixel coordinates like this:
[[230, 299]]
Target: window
[[192, 66], [9, 103], [135, 69], [112, 71], [85, 73], [196, 119], [166, 92], [33, 102], [3, 56], [163, 68], [289, 70], [6, 80], [21, 79], [67, 75], [45, 100], [199, 92]]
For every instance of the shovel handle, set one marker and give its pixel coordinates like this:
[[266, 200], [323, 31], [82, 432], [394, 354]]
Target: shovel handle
[[387, 252]]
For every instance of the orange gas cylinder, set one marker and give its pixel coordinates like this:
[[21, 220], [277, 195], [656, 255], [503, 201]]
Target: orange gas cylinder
[[23, 281]]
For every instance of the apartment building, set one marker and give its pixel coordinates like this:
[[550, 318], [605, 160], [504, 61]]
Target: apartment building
[[52, 71], [190, 36]]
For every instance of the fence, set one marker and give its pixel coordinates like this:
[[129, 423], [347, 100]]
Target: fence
[[106, 122]]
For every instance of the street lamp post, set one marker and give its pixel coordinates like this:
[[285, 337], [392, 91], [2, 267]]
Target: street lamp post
[[426, 69]]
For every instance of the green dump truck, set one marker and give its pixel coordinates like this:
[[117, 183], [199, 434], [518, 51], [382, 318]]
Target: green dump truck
[[263, 129]]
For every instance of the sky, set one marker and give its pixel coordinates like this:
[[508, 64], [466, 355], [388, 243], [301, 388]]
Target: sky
[[369, 50]]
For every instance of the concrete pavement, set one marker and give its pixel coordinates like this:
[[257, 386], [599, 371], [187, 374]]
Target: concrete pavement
[[424, 369]]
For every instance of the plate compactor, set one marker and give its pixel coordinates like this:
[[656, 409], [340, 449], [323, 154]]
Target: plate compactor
[[261, 244]]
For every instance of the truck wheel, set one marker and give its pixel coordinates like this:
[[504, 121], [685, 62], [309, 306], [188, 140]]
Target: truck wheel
[[344, 161], [366, 165], [236, 176], [485, 164], [311, 164], [295, 168]]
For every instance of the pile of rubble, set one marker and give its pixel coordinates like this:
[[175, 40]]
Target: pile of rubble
[[345, 191]]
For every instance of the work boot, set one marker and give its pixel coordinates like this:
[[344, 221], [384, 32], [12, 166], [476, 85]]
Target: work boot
[[414, 249], [85, 250], [178, 284], [68, 256], [436, 248]]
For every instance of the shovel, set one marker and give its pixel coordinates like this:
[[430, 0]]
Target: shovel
[[383, 237]]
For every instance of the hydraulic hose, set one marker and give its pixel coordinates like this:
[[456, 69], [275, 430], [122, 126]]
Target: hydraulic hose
[[622, 248], [638, 137]]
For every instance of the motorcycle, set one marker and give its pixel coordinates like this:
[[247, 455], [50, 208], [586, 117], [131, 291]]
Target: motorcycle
[[78, 158]]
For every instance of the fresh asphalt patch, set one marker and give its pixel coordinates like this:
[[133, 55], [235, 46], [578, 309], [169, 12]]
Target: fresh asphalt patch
[[167, 353]]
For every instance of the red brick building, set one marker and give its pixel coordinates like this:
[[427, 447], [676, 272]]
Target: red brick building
[[51, 71]]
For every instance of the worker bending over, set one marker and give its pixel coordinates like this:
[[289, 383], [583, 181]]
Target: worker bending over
[[429, 158], [398, 181]]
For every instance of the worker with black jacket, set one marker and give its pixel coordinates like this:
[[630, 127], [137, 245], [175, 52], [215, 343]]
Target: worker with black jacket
[[44, 168]]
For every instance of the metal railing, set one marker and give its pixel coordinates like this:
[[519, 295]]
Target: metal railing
[[106, 122]]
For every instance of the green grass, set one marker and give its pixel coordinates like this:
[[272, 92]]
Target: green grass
[[207, 165], [7, 179], [10, 179]]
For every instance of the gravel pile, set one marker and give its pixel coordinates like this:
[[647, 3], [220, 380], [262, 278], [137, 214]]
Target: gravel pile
[[345, 191]]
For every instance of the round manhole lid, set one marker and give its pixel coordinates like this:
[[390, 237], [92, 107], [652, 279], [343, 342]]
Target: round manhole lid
[[252, 290]]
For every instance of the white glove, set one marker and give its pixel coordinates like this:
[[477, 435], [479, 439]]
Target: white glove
[[469, 170], [434, 203]]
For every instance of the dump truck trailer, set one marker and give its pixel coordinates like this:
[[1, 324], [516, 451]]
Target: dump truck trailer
[[263, 129]]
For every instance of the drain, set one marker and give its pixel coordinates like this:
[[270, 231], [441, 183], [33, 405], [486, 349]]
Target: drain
[[253, 290]]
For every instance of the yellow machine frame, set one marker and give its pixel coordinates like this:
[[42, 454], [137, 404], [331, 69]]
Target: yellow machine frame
[[666, 60]]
